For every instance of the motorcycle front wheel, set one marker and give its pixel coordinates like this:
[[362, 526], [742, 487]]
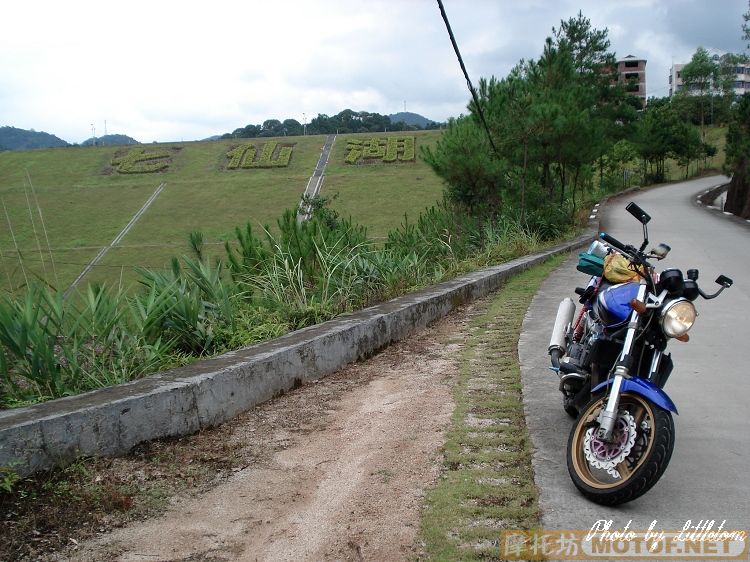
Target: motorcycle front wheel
[[618, 471]]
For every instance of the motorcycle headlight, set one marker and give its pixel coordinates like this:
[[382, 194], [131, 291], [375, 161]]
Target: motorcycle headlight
[[677, 317]]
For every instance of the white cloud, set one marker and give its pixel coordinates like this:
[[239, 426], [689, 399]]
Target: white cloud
[[170, 71]]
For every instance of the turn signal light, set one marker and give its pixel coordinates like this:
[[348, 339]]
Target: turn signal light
[[638, 306]]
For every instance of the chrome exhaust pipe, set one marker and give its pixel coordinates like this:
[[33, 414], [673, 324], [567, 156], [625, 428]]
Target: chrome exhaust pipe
[[565, 313]]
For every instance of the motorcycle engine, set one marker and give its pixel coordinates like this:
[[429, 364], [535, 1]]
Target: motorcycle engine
[[580, 352]]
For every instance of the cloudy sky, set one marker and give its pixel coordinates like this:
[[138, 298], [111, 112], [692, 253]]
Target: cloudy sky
[[169, 71]]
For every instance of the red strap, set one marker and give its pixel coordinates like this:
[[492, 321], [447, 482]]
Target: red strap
[[578, 329]]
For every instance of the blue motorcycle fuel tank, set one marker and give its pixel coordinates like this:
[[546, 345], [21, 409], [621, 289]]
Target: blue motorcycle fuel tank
[[613, 303]]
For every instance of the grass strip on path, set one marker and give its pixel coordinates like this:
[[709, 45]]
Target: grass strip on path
[[488, 481]]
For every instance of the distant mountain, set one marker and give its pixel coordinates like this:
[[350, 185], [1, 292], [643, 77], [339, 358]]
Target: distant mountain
[[410, 119], [12, 138], [110, 140]]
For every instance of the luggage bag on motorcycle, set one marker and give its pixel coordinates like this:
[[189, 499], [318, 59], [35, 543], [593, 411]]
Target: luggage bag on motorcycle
[[591, 261], [590, 264]]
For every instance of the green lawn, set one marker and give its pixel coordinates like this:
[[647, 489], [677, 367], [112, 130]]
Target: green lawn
[[379, 195], [85, 204], [82, 209]]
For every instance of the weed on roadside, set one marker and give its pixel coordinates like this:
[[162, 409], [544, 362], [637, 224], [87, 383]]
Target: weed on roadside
[[52, 345], [487, 483], [43, 514]]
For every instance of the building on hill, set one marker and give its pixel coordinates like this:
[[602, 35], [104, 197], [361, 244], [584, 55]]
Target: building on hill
[[631, 72], [741, 82], [675, 78], [740, 76]]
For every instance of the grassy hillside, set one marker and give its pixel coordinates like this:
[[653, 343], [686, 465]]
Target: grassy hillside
[[715, 136], [378, 194], [85, 203]]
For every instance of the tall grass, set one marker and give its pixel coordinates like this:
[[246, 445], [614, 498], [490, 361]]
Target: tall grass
[[265, 285], [51, 347]]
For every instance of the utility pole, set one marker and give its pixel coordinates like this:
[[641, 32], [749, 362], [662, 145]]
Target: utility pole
[[304, 124]]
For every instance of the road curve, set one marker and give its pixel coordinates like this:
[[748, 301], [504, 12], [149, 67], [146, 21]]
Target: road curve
[[706, 476]]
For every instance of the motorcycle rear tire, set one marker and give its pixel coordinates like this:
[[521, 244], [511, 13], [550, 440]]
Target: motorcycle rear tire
[[570, 407], [646, 460]]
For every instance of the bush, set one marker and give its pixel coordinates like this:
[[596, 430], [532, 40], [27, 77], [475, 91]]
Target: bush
[[387, 149], [135, 161], [243, 156]]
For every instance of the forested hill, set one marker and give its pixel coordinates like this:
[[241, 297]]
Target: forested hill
[[12, 138], [410, 119], [106, 140], [347, 121]]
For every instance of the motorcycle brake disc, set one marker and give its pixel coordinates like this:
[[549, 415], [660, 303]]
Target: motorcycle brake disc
[[605, 455]]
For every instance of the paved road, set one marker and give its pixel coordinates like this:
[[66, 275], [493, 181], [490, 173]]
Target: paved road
[[706, 478]]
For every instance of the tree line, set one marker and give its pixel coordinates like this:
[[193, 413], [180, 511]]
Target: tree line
[[561, 128], [347, 121]]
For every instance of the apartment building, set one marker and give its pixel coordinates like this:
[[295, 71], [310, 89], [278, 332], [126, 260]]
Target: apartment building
[[631, 71], [675, 79], [740, 78]]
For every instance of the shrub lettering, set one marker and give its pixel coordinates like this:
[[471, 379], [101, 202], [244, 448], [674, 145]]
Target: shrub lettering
[[271, 156], [385, 149], [138, 161]]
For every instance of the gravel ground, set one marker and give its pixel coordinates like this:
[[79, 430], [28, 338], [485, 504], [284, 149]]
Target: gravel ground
[[335, 470]]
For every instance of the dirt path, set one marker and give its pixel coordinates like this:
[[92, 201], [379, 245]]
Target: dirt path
[[337, 468]]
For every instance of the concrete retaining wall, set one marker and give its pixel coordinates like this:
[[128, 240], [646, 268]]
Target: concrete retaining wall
[[111, 421], [711, 196]]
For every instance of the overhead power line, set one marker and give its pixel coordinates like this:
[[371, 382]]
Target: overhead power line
[[466, 75]]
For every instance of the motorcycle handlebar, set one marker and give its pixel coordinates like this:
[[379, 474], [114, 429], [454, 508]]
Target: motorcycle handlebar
[[709, 297], [629, 251], [614, 242]]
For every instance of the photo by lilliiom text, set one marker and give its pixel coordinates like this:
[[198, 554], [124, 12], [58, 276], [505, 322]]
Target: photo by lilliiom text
[[696, 540]]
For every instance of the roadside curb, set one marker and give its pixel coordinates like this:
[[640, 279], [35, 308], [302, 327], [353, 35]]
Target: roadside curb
[[113, 420], [705, 199]]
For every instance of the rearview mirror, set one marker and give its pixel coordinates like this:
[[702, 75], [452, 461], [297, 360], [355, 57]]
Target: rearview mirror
[[724, 281], [642, 216], [661, 251]]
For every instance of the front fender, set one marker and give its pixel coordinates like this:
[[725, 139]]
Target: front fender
[[644, 388]]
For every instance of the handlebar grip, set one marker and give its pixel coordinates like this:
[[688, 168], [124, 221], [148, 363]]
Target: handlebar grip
[[613, 242]]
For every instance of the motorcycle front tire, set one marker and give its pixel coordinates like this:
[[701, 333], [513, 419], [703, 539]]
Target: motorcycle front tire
[[619, 471]]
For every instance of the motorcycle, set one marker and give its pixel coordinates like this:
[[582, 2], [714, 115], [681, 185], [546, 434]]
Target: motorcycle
[[612, 363]]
